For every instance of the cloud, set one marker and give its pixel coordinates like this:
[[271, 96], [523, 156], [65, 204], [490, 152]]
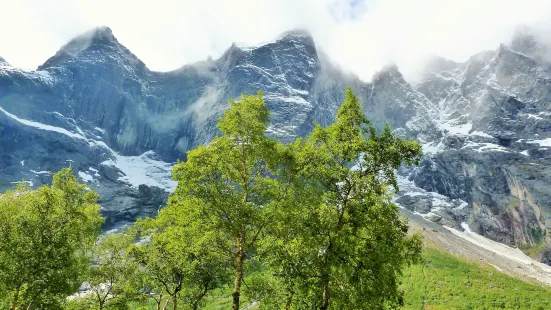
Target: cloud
[[199, 111], [360, 35], [406, 32]]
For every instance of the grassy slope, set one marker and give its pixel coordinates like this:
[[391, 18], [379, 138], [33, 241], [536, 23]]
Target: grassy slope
[[218, 299], [445, 281]]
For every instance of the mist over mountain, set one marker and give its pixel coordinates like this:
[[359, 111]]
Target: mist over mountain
[[485, 124]]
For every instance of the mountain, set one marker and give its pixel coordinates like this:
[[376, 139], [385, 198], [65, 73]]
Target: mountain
[[492, 157], [485, 124], [96, 106]]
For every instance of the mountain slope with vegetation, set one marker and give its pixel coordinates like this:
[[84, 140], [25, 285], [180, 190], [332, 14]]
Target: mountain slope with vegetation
[[442, 281]]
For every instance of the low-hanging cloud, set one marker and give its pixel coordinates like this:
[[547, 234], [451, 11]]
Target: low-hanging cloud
[[198, 111], [360, 35]]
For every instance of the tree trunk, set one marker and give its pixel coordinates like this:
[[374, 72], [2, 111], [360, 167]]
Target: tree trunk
[[175, 302], [325, 304], [14, 301], [195, 304], [238, 273], [100, 300]]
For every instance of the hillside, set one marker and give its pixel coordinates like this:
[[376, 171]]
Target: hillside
[[445, 281]]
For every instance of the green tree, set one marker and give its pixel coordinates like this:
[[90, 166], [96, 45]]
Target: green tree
[[109, 277], [344, 245], [45, 236], [236, 183], [177, 259], [147, 287]]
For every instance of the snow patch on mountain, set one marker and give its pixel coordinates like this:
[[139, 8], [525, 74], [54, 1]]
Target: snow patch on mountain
[[289, 99], [39, 75], [144, 169], [481, 134], [41, 126], [100, 130], [86, 177], [433, 147], [30, 183], [455, 129], [485, 147], [429, 205], [542, 142], [95, 171]]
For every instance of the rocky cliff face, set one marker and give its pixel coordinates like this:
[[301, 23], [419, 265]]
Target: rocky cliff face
[[492, 155], [485, 125]]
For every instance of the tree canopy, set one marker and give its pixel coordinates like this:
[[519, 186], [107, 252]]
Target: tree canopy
[[344, 245], [317, 212], [178, 262], [236, 184], [46, 234]]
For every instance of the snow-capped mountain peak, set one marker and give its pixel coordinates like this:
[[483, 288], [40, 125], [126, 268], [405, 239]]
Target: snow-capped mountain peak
[[98, 45], [3, 62]]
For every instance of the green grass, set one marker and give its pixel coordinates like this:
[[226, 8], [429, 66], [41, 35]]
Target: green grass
[[444, 281], [222, 299], [217, 299]]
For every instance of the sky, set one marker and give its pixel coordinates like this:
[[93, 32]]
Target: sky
[[362, 36]]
